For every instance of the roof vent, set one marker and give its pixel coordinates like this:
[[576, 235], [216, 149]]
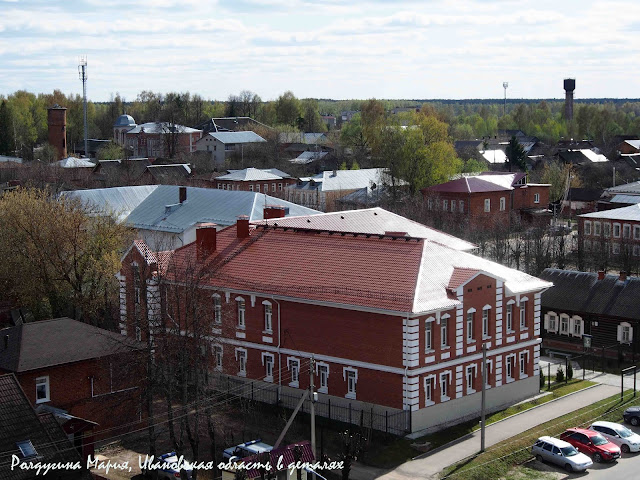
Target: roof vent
[[601, 275]]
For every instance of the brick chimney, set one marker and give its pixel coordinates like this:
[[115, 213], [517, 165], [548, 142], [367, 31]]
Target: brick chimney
[[623, 276], [600, 274], [205, 239], [273, 211], [182, 195], [242, 224]]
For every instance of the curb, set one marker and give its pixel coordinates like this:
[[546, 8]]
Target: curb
[[469, 435]]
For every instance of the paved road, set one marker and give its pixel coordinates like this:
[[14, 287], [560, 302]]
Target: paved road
[[432, 463]]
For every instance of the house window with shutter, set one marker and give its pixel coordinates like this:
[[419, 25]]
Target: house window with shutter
[[625, 333], [577, 326], [564, 324], [587, 228], [551, 322]]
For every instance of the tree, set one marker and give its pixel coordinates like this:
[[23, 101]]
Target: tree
[[110, 151], [312, 119], [287, 109], [7, 142], [515, 155], [351, 446], [65, 255]]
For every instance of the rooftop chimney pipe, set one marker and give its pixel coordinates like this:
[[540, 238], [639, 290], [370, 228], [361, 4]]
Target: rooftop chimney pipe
[[183, 194], [205, 239], [273, 211], [243, 226], [600, 275]]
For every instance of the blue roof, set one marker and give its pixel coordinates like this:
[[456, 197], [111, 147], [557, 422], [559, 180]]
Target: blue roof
[[162, 211], [237, 137]]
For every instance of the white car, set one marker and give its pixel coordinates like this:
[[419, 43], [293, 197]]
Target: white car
[[561, 453], [618, 434], [246, 449]]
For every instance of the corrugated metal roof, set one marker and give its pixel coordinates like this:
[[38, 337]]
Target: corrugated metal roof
[[161, 127], [250, 174], [593, 156], [73, 162], [308, 157], [633, 187], [237, 137], [633, 143], [494, 156], [4, 158], [117, 201], [628, 199], [479, 183], [625, 213], [202, 205], [351, 179]]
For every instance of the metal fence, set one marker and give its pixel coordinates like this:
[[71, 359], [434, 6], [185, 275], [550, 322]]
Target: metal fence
[[396, 422]]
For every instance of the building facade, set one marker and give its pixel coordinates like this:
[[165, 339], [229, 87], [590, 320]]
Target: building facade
[[269, 180], [221, 145], [388, 321], [613, 232]]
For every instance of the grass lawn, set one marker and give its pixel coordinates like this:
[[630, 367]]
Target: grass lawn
[[389, 452], [500, 459]]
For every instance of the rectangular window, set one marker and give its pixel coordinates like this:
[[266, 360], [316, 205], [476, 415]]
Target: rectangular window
[[265, 188], [615, 249], [241, 311], [616, 230], [453, 206], [217, 309], [351, 378], [217, 352], [444, 387], [251, 188], [596, 229], [552, 323], [242, 362], [485, 322], [268, 367], [503, 204], [258, 187], [471, 376], [445, 205], [536, 198], [430, 204], [636, 250], [294, 368], [444, 341], [279, 187], [523, 314], [577, 327], [428, 390], [523, 364], [42, 390], [607, 229], [267, 318], [323, 378], [461, 205], [427, 337], [626, 231], [487, 204], [138, 334], [509, 368], [273, 187], [510, 317], [470, 326], [587, 228], [636, 232]]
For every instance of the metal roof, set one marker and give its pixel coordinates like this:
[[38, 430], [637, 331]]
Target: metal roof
[[237, 137], [4, 158], [633, 143], [351, 179], [117, 201], [308, 157], [489, 182], [625, 213], [633, 187], [162, 211], [251, 174], [125, 121], [494, 156], [161, 127], [628, 199], [73, 162]]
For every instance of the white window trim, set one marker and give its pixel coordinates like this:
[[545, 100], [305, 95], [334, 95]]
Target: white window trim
[[265, 356], [597, 228], [322, 389], [46, 389], [486, 308], [564, 316], [489, 370], [487, 204], [241, 322], [428, 348], [619, 230], [445, 375], [503, 204], [574, 319], [522, 313], [621, 327], [509, 316], [444, 339], [218, 347], [587, 227], [429, 379], [345, 378], [509, 360], [266, 304], [217, 308], [473, 367], [242, 373], [290, 361], [547, 322], [536, 198], [469, 331], [523, 355]]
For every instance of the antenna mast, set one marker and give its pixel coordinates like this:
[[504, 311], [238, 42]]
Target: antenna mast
[[505, 85], [82, 73]]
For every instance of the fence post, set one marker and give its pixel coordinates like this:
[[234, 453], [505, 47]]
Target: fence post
[[635, 370], [228, 390], [386, 421], [621, 385], [548, 376], [329, 400], [252, 391], [349, 413], [371, 418], [566, 370]]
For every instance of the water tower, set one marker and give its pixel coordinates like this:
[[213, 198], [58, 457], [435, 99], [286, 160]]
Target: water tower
[[569, 87], [57, 121]]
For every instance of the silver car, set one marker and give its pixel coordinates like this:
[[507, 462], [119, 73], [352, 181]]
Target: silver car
[[561, 453], [618, 434]]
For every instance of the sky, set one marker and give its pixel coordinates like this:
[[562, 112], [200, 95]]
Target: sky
[[442, 49]]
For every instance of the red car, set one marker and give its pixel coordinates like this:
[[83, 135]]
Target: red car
[[591, 443]]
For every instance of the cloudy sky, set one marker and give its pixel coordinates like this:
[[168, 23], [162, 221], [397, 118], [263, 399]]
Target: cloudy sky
[[329, 49]]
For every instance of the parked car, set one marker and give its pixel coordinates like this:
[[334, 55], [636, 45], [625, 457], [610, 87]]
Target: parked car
[[632, 415], [591, 443], [561, 453], [618, 434], [246, 449], [170, 460]]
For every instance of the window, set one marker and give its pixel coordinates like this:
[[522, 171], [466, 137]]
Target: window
[[428, 336], [552, 322], [625, 332], [273, 187], [257, 187], [536, 198], [241, 310], [42, 390], [453, 206], [524, 357], [323, 377], [444, 341], [279, 187], [471, 376], [510, 317], [217, 309], [509, 366], [265, 188], [487, 204], [430, 204], [626, 231], [636, 232], [351, 377], [577, 327], [294, 367], [267, 361], [217, 353], [607, 229], [445, 205], [470, 314], [587, 227], [267, 317], [241, 357], [251, 188], [596, 229], [564, 324], [27, 450], [444, 386], [615, 248], [485, 322], [616, 230], [503, 204], [135, 271], [428, 390], [523, 314], [636, 250], [138, 334], [461, 205]]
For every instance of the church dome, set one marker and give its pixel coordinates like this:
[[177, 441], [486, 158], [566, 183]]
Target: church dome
[[125, 121]]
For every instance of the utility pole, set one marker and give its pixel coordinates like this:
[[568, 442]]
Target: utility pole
[[82, 72], [484, 383], [313, 407], [505, 85]]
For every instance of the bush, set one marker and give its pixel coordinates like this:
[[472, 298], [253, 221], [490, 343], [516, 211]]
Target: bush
[[542, 379], [560, 375], [569, 371]]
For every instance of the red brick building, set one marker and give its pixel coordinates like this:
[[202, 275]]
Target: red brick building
[[269, 180], [490, 199], [87, 373], [393, 313], [615, 232]]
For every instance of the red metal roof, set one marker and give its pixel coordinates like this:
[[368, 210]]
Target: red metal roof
[[485, 182], [287, 455]]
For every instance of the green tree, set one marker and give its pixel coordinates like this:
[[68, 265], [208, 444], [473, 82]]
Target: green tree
[[110, 151], [515, 155], [312, 119], [287, 108], [7, 142]]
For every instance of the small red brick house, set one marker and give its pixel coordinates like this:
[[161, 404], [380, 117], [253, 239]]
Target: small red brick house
[[269, 180], [491, 198], [79, 372], [617, 231], [393, 313]]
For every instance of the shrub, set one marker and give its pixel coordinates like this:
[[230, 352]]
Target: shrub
[[542, 379], [560, 375], [569, 371]]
